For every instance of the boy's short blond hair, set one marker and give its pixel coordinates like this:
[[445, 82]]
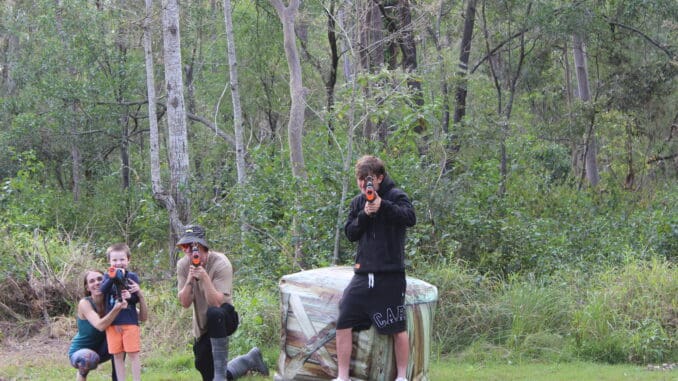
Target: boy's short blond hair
[[118, 247]]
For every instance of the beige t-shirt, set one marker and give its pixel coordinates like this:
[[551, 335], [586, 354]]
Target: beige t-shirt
[[220, 271]]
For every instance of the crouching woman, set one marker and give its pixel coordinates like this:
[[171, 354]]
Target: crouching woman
[[88, 347]]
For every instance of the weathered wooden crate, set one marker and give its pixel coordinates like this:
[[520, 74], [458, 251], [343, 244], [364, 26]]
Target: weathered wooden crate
[[309, 310]]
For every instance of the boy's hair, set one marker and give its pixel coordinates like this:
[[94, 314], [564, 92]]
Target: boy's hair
[[118, 247], [369, 165]]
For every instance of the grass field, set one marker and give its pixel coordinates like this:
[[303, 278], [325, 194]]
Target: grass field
[[179, 367], [552, 372]]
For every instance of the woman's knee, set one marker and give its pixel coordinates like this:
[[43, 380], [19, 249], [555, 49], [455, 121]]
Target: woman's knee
[[85, 360]]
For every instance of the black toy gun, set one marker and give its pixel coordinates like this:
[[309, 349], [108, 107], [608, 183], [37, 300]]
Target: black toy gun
[[119, 278], [370, 194]]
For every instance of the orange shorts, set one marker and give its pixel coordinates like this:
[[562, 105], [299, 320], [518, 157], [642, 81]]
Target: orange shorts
[[123, 338]]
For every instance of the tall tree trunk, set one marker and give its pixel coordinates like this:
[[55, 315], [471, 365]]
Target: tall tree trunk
[[331, 80], [629, 181], [121, 41], [237, 109], [371, 48], [441, 44], [371, 44], [408, 48], [176, 113], [124, 149], [235, 95], [295, 125], [464, 53], [329, 76], [350, 57], [159, 193], [590, 161], [9, 48], [346, 169], [76, 156], [567, 76]]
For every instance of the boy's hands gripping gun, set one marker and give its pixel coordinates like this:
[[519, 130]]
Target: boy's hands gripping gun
[[119, 277]]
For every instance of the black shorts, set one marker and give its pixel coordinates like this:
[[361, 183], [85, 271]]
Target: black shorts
[[380, 301]]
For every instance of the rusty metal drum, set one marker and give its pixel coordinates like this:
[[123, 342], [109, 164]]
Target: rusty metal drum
[[309, 302]]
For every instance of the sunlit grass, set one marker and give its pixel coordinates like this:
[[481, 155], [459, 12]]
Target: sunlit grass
[[580, 371], [179, 367]]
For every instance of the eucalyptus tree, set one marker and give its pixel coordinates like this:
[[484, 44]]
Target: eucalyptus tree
[[72, 104], [295, 124], [9, 45], [159, 193], [584, 93], [176, 115], [235, 95], [464, 54]]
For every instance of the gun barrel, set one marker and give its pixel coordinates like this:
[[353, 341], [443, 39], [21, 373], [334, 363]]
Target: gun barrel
[[370, 194], [195, 258]]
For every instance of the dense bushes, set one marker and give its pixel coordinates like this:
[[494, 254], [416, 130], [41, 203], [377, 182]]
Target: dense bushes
[[624, 313]]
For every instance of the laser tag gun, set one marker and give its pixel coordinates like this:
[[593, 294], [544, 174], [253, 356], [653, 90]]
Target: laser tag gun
[[119, 278], [195, 255], [370, 194]]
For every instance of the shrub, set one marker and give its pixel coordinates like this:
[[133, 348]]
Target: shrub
[[630, 315], [466, 311]]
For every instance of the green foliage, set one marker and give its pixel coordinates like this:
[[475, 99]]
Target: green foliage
[[540, 315], [619, 314], [259, 312], [25, 200], [466, 314], [628, 315]]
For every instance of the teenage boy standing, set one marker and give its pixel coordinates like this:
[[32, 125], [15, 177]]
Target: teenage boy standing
[[378, 219]]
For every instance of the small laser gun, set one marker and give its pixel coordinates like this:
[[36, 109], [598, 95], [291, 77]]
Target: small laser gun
[[370, 194], [195, 255]]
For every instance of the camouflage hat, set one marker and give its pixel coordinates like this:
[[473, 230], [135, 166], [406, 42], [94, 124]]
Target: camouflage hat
[[193, 233]]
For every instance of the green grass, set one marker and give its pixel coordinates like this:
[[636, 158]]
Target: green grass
[[179, 367], [580, 371]]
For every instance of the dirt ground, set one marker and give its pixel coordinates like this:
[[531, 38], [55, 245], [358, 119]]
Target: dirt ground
[[36, 344]]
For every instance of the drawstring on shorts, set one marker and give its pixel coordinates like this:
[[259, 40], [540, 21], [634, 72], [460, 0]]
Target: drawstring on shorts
[[370, 280]]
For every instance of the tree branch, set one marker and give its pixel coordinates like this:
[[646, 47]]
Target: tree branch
[[645, 36], [656, 159]]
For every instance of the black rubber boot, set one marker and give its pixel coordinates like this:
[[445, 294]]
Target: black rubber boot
[[252, 361]]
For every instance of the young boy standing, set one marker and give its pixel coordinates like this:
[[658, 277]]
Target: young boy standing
[[123, 335]]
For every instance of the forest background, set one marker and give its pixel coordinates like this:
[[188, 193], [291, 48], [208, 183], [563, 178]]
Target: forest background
[[537, 140]]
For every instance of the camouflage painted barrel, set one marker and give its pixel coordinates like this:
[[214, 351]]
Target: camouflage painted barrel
[[309, 309]]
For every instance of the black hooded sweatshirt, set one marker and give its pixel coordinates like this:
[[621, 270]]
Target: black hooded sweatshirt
[[381, 237]]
